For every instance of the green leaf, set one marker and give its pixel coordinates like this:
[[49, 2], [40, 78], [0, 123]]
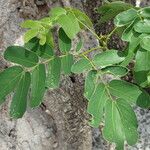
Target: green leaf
[[143, 100], [145, 42], [38, 79], [143, 26], [50, 38], [32, 44], [148, 78], [120, 123], [116, 70], [124, 90], [108, 58], [96, 104], [82, 17], [64, 41], [8, 81], [128, 58], [54, 69], [42, 38], [69, 24], [129, 31], [145, 12], [19, 101], [90, 84], [44, 51], [46, 22], [81, 65], [127, 34], [30, 34], [31, 24], [110, 10], [20, 55], [67, 62], [142, 67], [57, 12], [134, 42], [79, 45], [125, 17]]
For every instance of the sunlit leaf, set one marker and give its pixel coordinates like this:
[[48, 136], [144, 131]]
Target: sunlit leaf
[[70, 24]]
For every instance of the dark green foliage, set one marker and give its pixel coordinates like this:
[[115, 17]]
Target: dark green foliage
[[109, 102], [38, 79], [19, 101]]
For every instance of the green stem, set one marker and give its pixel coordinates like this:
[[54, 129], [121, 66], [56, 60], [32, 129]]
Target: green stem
[[110, 34], [90, 62], [93, 32], [90, 50]]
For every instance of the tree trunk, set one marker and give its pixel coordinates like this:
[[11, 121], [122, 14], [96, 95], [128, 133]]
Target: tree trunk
[[61, 122]]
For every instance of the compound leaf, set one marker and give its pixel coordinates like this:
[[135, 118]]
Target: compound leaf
[[38, 79], [8, 81], [19, 101], [20, 55]]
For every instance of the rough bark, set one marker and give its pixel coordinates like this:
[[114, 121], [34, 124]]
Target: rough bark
[[61, 122]]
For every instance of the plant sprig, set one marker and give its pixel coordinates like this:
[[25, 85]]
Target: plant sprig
[[39, 67]]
